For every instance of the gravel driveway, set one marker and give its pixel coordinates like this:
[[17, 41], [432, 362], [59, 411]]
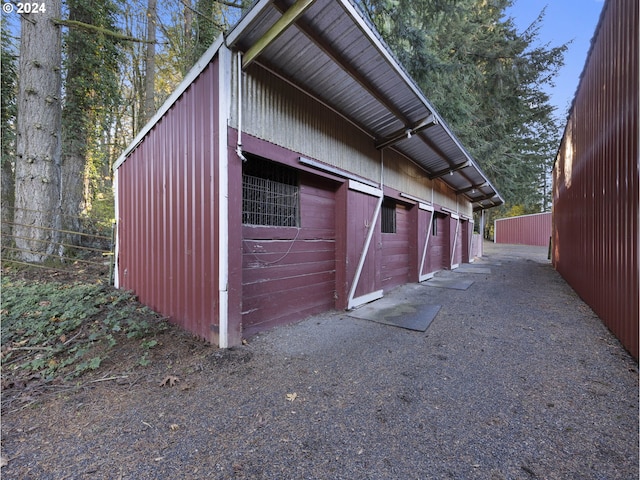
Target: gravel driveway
[[515, 378]]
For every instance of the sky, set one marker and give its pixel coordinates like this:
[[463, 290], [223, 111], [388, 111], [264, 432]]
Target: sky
[[564, 21]]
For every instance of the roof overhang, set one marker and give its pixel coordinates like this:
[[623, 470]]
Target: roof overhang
[[328, 49]]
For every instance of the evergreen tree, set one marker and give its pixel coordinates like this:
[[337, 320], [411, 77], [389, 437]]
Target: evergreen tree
[[150, 61], [37, 163], [9, 81], [188, 29], [486, 80], [91, 87], [208, 24]]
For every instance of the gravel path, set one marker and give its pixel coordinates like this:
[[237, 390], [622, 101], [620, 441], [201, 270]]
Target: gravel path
[[515, 378]]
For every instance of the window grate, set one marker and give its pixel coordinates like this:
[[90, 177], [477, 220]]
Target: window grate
[[270, 194], [388, 216]]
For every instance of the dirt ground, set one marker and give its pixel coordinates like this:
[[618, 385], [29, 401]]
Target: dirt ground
[[515, 378]]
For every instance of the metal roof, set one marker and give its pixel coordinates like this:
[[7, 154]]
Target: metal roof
[[327, 48]]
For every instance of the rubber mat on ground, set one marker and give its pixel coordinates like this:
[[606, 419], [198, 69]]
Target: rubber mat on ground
[[398, 314], [472, 269], [449, 282]]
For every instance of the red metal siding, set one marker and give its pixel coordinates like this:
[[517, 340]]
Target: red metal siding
[[166, 201], [595, 223], [396, 249], [524, 230], [289, 273]]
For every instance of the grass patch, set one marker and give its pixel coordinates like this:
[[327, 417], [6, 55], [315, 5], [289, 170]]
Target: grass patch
[[57, 329]]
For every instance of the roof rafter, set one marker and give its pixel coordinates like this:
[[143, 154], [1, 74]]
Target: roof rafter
[[448, 170], [340, 60], [406, 133], [288, 18]]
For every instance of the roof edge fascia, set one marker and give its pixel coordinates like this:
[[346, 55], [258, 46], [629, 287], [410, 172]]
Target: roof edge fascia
[[231, 37], [202, 63]]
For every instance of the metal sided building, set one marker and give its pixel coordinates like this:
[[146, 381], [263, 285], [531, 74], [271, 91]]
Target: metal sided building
[[534, 229], [596, 176], [297, 169]]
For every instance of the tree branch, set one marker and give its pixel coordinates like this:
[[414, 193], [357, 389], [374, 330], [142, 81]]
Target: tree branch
[[221, 2], [94, 29], [230, 4]]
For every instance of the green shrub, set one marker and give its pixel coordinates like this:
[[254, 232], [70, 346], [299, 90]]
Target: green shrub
[[53, 328]]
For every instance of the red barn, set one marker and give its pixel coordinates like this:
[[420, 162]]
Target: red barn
[[532, 229], [596, 176], [297, 169]]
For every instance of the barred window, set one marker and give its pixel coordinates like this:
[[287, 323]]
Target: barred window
[[270, 193], [388, 216]]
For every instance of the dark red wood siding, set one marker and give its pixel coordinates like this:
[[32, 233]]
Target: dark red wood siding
[[167, 211], [438, 252], [360, 209], [596, 178], [455, 242], [423, 234], [476, 245], [289, 273], [467, 231], [396, 249]]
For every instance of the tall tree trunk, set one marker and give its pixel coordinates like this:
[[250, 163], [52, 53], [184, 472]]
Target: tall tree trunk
[[187, 57], [75, 123], [188, 22], [150, 62], [8, 84], [8, 193], [37, 169]]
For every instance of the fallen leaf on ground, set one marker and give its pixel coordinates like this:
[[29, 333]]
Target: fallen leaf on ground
[[169, 380], [292, 396]]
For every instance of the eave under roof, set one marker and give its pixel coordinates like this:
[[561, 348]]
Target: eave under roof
[[327, 48]]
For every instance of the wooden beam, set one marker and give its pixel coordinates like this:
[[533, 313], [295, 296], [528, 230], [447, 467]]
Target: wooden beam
[[288, 18]]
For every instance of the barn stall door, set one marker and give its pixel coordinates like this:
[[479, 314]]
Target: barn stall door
[[438, 247], [396, 244], [456, 241], [467, 237], [425, 225], [288, 272], [362, 258]]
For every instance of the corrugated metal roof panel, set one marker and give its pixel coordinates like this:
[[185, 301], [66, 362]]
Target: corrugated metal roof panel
[[333, 53]]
